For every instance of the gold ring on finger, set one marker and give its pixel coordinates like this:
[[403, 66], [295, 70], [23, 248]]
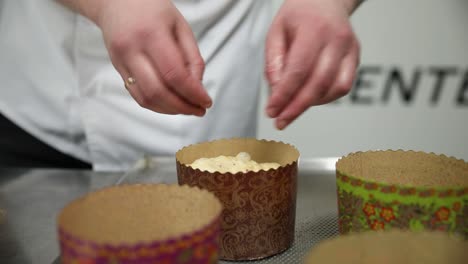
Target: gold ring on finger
[[129, 81]]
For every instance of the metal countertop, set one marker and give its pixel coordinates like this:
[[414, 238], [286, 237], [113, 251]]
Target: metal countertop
[[32, 199]]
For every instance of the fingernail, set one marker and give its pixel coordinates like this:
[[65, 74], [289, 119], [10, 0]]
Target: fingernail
[[276, 64], [274, 70], [272, 111], [208, 104], [281, 124], [200, 113]]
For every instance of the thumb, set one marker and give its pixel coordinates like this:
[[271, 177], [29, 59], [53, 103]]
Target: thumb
[[275, 51], [188, 44]]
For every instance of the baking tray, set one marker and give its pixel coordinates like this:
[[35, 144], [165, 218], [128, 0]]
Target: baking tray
[[316, 213]]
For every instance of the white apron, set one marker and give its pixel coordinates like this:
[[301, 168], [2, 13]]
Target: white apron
[[58, 83]]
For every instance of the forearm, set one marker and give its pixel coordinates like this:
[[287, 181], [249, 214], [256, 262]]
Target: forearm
[[349, 5], [87, 8]]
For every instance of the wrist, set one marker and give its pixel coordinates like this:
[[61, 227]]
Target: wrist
[[349, 6], [94, 10], [91, 9]]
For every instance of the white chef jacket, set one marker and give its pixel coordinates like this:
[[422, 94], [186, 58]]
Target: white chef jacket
[[58, 84]]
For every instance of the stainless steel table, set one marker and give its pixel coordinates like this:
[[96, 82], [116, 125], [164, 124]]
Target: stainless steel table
[[32, 199]]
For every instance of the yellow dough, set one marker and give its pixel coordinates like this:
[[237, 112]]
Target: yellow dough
[[242, 162]]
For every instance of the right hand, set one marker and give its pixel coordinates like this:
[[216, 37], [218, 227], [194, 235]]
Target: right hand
[[150, 41]]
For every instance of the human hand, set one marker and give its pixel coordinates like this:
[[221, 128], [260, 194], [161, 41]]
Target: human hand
[[311, 56], [150, 41]]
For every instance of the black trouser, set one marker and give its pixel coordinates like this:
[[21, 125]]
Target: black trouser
[[22, 150]]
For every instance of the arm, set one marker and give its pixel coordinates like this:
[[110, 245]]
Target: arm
[[150, 42], [311, 56]]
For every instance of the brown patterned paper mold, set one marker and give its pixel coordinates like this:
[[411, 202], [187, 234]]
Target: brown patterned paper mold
[[130, 224], [380, 190], [395, 246], [259, 207]]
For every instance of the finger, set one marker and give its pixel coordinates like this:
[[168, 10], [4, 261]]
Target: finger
[[142, 77], [321, 80], [119, 65], [119, 48], [125, 75], [189, 47], [275, 51], [167, 58], [318, 85], [345, 79], [300, 59], [151, 92], [132, 89]]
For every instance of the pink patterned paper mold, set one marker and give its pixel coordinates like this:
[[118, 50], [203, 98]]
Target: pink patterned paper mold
[[201, 247]]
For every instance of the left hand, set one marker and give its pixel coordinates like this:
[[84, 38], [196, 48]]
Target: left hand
[[312, 55]]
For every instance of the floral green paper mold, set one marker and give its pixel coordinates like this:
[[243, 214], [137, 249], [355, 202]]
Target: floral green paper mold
[[365, 205]]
